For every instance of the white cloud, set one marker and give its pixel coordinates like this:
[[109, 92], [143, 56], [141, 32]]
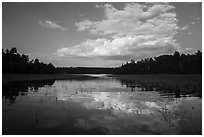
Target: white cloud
[[185, 27], [134, 30], [122, 46], [83, 25], [132, 20], [98, 6], [51, 25], [197, 18], [193, 22]]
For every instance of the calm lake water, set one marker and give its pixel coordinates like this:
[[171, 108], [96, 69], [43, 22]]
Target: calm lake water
[[102, 105]]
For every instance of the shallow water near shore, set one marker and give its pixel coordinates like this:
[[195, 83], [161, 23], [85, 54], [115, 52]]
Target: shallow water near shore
[[103, 105]]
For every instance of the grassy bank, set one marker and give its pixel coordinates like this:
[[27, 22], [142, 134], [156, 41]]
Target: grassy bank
[[33, 77]]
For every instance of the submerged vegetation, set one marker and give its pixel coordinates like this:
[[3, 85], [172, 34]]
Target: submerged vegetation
[[177, 63]]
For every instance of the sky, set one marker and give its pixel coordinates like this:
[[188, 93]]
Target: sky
[[101, 34]]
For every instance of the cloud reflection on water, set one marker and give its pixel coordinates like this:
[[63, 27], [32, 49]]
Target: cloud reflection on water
[[121, 102]]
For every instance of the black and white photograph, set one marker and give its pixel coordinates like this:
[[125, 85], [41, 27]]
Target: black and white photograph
[[102, 68]]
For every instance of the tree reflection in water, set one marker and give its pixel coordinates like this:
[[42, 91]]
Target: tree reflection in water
[[14, 89]]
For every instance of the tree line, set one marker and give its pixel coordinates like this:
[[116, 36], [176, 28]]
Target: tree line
[[84, 70], [163, 64], [13, 62], [170, 64]]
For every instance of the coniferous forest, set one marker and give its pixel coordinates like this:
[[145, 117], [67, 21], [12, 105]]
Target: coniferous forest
[[14, 63], [170, 64], [177, 63]]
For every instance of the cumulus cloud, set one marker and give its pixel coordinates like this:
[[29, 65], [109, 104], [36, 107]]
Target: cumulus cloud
[[133, 20], [122, 47], [52, 25], [134, 30]]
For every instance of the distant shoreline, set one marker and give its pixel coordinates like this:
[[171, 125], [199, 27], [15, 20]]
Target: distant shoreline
[[6, 78]]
